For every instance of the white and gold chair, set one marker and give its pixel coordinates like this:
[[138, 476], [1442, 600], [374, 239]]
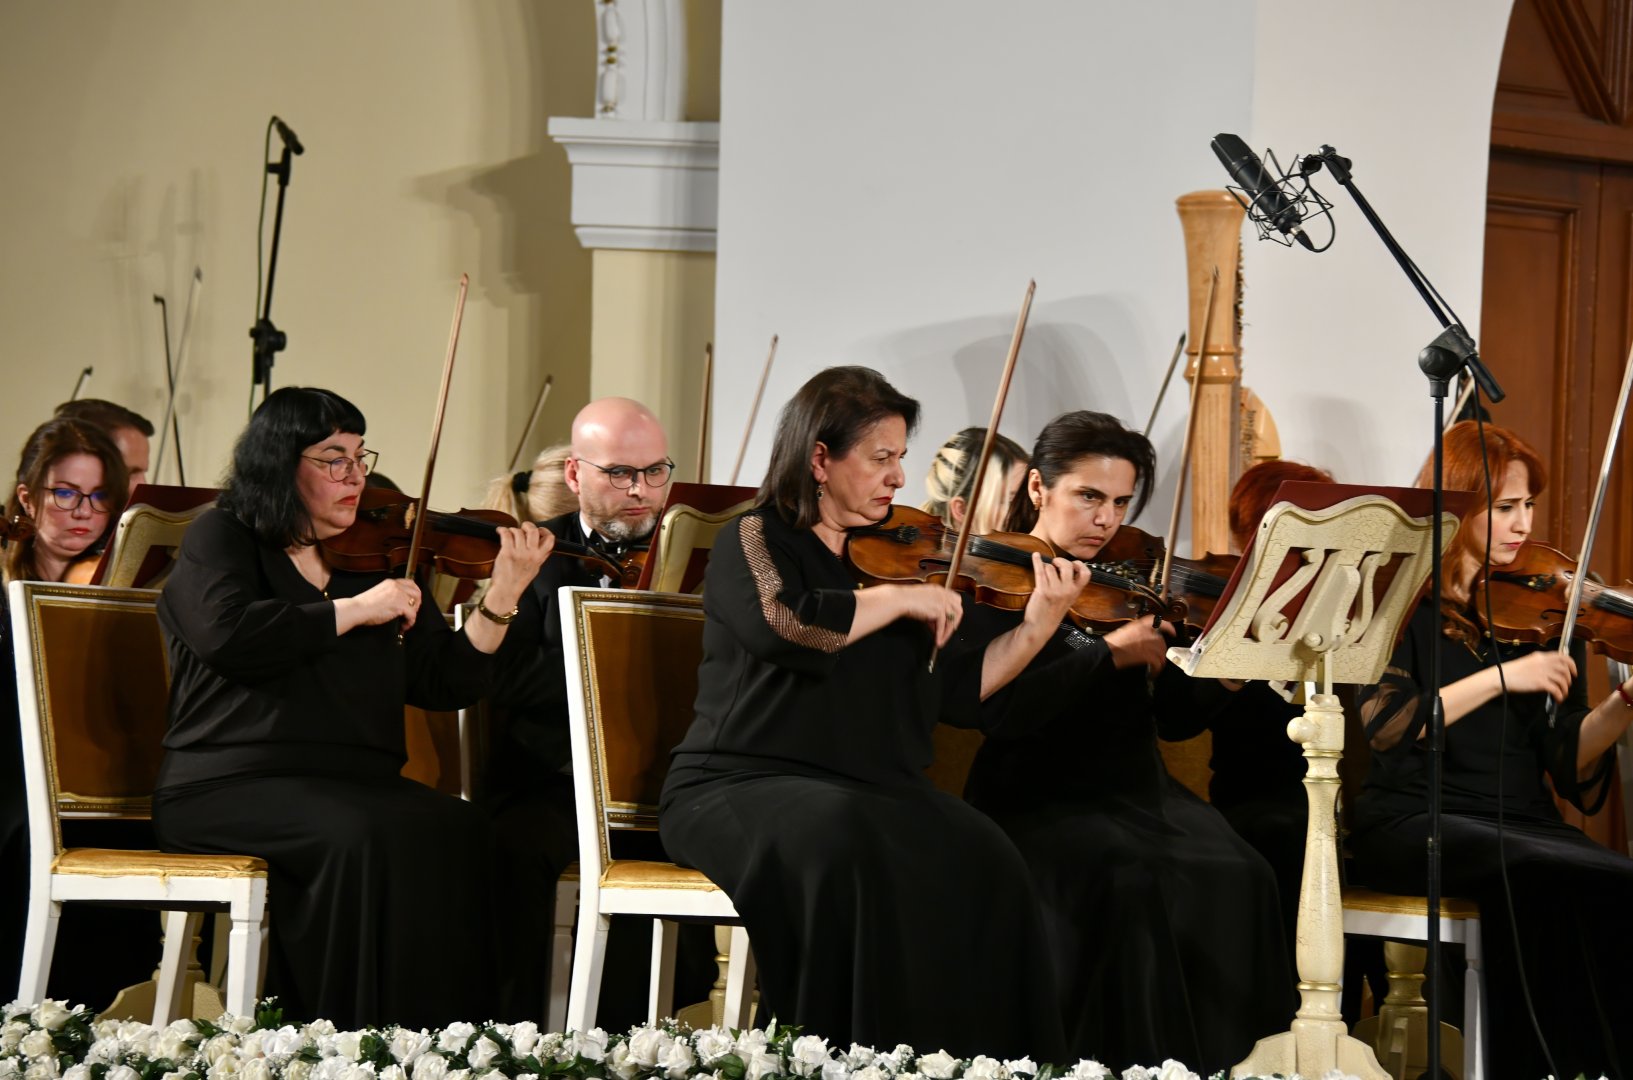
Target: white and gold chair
[[92, 688], [682, 543], [632, 661], [144, 544]]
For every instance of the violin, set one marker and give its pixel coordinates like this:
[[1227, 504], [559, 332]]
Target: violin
[[1194, 585], [462, 545], [911, 546], [1528, 599]]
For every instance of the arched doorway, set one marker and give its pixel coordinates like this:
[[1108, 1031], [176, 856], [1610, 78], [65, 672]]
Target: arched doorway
[[1558, 292]]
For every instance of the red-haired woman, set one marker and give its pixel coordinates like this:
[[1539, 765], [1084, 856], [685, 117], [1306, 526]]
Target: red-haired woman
[[1566, 929], [1258, 772], [69, 489]]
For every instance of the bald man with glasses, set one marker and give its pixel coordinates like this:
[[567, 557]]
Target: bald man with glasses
[[620, 470]]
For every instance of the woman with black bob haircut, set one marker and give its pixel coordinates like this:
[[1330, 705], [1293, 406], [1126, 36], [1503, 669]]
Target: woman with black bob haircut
[[880, 909], [286, 729], [1163, 922]]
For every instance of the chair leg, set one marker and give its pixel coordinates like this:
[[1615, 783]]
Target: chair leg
[[244, 951], [1474, 1017], [661, 987], [220, 928], [589, 952], [561, 954], [179, 930], [739, 1011], [39, 942]]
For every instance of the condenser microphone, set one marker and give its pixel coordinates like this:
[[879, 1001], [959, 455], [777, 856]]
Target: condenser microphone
[[1268, 204], [291, 140]]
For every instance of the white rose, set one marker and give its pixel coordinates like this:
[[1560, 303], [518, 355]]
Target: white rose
[[393, 1072], [1138, 1072], [10, 1068], [77, 1072], [859, 1055], [329, 1068], [12, 1034], [907, 1076], [937, 1066], [620, 1064], [869, 1072], [1089, 1069], [1023, 1065], [240, 1025], [982, 1067], [482, 1054], [123, 1072], [42, 1070], [808, 1055], [104, 1051], [51, 1015], [283, 1043], [406, 1046], [174, 1075], [836, 1070], [430, 1067], [224, 1068], [363, 1071], [255, 1069], [712, 1044], [347, 1044], [1173, 1070], [298, 1070], [172, 1047], [590, 1045], [460, 1074], [454, 1037], [523, 1038], [646, 1045], [677, 1060], [763, 1063], [318, 1029], [750, 1043], [37, 1044]]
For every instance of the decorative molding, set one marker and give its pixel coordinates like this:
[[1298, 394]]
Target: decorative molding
[[641, 59], [643, 185]]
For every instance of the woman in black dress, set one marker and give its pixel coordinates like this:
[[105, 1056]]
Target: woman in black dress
[[286, 730], [1567, 928], [1163, 921], [880, 909]]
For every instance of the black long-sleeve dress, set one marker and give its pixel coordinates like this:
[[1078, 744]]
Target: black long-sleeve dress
[[286, 742], [1163, 921], [879, 909], [1571, 896]]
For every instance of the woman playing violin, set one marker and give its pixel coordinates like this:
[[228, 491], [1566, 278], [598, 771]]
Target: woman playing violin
[[69, 489], [1152, 902], [952, 476], [880, 909], [286, 728], [1571, 897]]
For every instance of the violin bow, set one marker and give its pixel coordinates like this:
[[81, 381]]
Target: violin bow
[[703, 429], [1574, 599], [417, 535], [753, 410], [170, 422], [84, 378], [963, 542], [1173, 362], [1185, 447], [527, 432]]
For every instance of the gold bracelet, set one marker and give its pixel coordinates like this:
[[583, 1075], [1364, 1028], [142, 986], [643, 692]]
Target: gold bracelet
[[503, 620]]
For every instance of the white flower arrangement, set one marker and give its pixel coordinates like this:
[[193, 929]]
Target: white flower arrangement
[[51, 1041]]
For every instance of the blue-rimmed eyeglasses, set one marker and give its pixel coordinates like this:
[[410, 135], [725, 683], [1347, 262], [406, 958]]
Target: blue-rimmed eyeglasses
[[67, 498], [340, 468], [623, 477]]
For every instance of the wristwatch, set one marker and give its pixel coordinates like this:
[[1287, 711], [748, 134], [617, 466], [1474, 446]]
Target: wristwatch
[[503, 620]]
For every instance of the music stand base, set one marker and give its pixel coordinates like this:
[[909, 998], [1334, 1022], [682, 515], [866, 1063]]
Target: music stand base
[[1312, 1048]]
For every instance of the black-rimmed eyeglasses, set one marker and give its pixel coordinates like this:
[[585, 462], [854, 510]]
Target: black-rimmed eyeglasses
[[623, 477]]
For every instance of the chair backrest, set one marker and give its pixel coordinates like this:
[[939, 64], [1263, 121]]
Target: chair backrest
[[681, 549], [144, 545], [439, 743], [92, 697], [632, 660]]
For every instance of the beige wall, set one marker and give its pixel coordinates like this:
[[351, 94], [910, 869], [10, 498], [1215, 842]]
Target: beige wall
[[653, 315], [133, 141]]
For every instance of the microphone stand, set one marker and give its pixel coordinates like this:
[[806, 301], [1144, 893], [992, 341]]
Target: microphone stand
[[1440, 360], [269, 340]]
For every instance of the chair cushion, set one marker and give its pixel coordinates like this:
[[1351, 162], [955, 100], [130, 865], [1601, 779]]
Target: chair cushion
[[114, 862], [634, 874], [1391, 904]]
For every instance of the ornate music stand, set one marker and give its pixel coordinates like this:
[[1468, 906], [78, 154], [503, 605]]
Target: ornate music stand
[[1319, 598]]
